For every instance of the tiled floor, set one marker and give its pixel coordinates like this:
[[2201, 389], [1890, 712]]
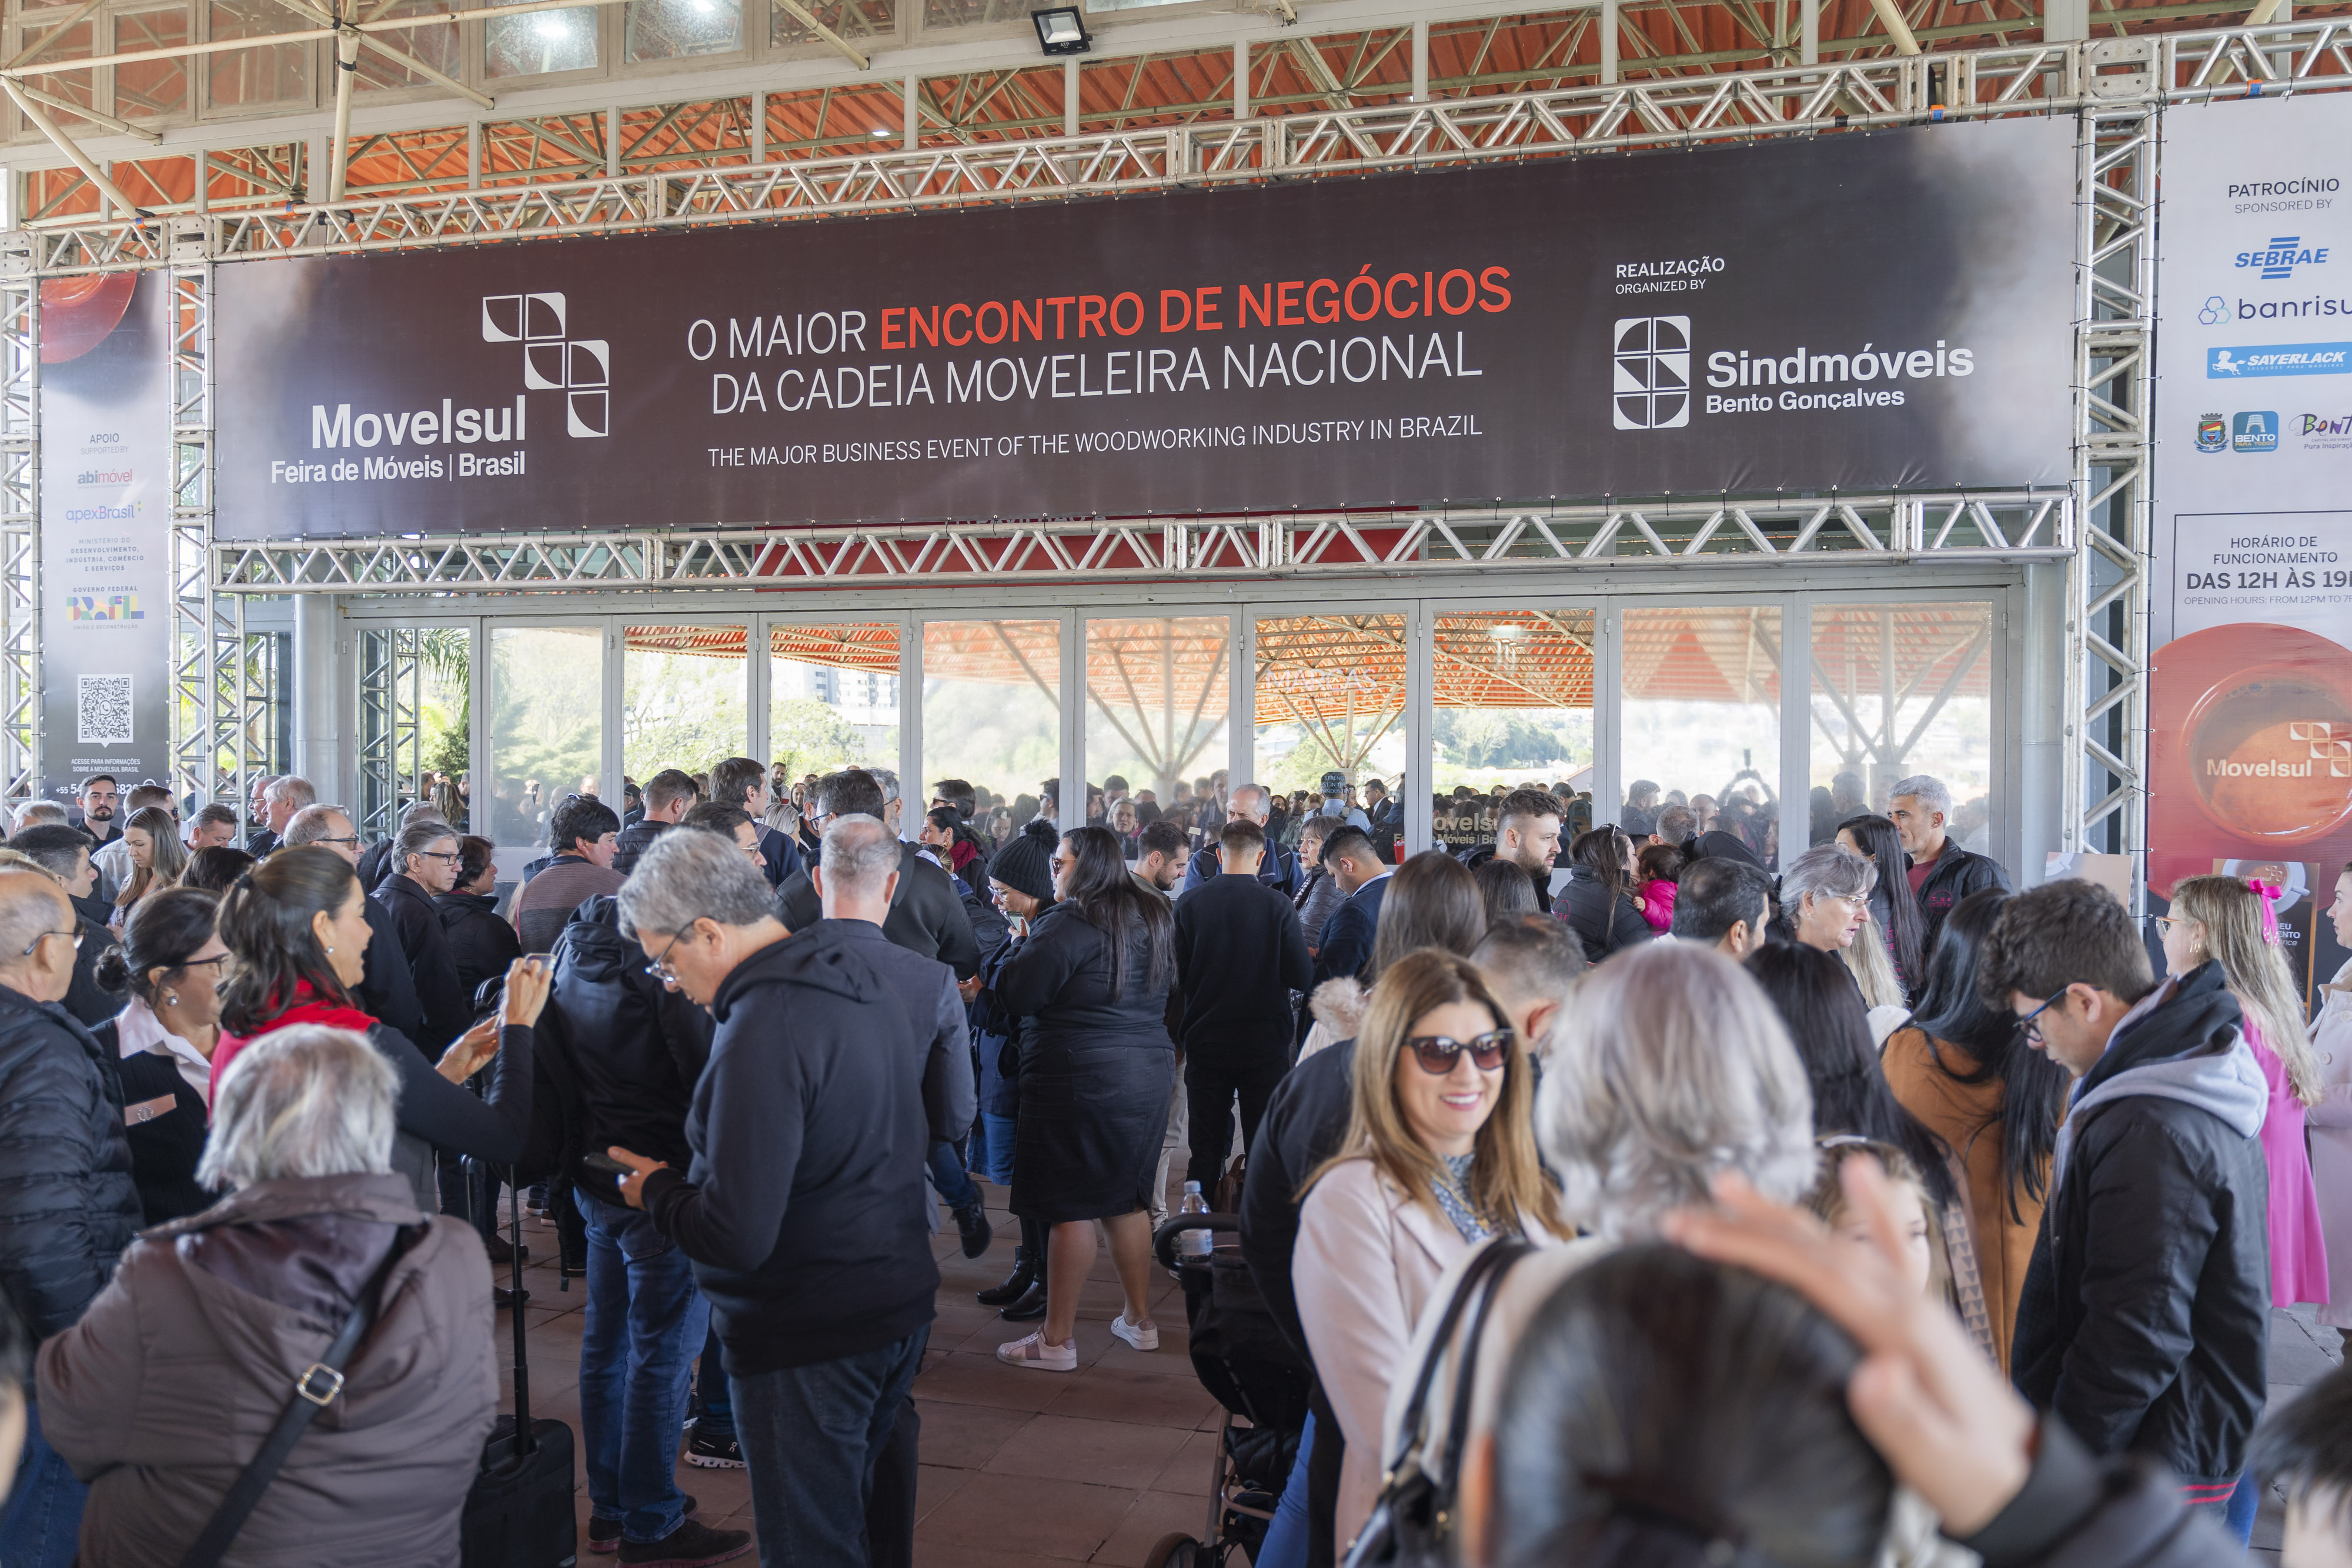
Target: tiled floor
[[1019, 1467], [1031, 1469]]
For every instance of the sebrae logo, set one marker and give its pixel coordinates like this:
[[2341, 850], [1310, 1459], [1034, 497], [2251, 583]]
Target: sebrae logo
[[1650, 373], [580, 368], [2282, 257], [2212, 433], [2254, 431]]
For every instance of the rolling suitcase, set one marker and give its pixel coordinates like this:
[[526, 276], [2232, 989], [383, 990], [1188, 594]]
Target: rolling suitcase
[[518, 1514]]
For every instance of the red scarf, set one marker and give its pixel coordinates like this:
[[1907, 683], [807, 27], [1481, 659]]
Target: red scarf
[[308, 1008]]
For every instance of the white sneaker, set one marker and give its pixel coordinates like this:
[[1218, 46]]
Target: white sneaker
[[1141, 1339], [1035, 1354]]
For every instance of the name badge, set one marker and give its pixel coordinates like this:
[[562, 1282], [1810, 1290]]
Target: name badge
[[147, 1110]]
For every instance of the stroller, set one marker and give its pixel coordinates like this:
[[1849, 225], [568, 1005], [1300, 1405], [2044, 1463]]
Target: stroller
[[1240, 1358]]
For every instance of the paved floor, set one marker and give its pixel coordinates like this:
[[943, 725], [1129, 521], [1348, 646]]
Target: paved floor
[[1031, 1469]]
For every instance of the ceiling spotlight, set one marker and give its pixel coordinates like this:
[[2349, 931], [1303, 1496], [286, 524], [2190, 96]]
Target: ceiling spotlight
[[1062, 31], [880, 134]]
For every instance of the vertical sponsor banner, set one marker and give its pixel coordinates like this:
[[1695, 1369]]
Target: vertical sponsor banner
[[105, 530]]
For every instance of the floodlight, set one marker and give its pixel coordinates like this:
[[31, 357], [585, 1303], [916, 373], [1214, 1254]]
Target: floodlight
[[1062, 31]]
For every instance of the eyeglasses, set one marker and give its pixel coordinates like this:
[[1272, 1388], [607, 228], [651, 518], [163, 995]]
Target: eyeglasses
[[2032, 1031], [215, 961], [424, 854], [44, 935], [1437, 1052], [659, 968], [351, 839]]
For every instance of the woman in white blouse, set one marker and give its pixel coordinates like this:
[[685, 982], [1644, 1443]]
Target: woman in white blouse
[[169, 964], [1440, 1156]]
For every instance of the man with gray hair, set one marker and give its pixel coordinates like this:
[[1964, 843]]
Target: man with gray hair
[[803, 1208], [39, 814], [284, 797], [925, 911], [1278, 870], [68, 1207], [1942, 873]]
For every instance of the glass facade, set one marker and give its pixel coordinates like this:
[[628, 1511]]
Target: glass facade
[[547, 730], [833, 697], [1700, 717], [1329, 696], [992, 708], [684, 700], [1900, 689], [1158, 707]]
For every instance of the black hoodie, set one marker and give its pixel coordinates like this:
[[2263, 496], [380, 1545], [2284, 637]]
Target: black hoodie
[[804, 1209]]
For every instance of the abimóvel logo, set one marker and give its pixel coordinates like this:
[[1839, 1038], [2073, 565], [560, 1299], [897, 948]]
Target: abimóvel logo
[[1650, 377]]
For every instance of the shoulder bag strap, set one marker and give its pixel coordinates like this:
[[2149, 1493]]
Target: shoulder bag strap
[[1498, 1255], [313, 1391], [1505, 1251]]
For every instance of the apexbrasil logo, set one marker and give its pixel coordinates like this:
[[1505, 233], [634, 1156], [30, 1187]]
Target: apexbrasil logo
[[2286, 253]]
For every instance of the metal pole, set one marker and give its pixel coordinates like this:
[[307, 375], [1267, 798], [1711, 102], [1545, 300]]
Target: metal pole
[[347, 69], [759, 128], [1809, 16], [1608, 43], [1420, 60], [38, 119], [1241, 79], [613, 143], [914, 103], [1070, 95]]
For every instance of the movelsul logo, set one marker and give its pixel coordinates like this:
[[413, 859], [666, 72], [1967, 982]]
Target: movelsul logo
[[1650, 373], [2212, 433], [580, 368], [2254, 431], [2282, 257]]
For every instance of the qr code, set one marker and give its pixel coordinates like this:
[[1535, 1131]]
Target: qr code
[[102, 710]]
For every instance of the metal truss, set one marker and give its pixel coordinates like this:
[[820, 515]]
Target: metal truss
[[391, 683], [2105, 797], [1857, 529], [20, 525]]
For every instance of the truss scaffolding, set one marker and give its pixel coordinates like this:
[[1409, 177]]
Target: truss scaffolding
[[2116, 88]]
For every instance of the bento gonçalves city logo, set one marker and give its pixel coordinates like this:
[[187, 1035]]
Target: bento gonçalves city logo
[[580, 368], [1650, 366]]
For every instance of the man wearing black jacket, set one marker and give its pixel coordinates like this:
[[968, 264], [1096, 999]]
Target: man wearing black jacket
[[2145, 1320], [631, 1049], [741, 781], [804, 1205], [68, 1207], [427, 865], [1240, 952], [1527, 834], [925, 911], [64, 853], [1941, 873]]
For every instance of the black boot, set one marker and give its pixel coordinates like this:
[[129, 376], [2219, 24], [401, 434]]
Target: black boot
[[977, 1233], [1016, 1284], [1029, 1308]]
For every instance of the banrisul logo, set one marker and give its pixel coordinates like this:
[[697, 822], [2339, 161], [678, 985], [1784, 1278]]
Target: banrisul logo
[[2282, 257], [1651, 372], [554, 361]]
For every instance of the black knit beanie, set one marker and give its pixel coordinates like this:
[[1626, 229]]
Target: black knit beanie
[[1025, 865]]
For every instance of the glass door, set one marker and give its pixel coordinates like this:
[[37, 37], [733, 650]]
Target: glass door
[[546, 737]]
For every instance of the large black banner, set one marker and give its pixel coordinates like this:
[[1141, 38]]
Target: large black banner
[[1890, 310]]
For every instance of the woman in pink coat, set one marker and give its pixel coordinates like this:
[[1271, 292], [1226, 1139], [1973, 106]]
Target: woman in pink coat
[[2223, 920], [2331, 1122]]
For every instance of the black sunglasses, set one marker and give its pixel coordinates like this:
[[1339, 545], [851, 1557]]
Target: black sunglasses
[[1437, 1053]]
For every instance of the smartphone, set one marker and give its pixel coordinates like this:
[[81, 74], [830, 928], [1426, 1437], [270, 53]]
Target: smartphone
[[596, 1160]]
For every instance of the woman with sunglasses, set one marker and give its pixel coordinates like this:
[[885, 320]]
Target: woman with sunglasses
[[1440, 1156], [297, 927], [169, 963]]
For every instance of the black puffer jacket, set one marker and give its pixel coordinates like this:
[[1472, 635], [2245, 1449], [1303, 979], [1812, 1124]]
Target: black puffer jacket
[[621, 1050], [449, 1007], [1957, 872], [2145, 1321], [68, 1205], [481, 946], [386, 991], [1604, 921]]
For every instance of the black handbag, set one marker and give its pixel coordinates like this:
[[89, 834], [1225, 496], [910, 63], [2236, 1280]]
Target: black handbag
[[1413, 1524], [313, 1391]]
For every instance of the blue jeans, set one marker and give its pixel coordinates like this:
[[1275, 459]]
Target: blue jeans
[[953, 1181], [646, 1321], [2235, 1513], [43, 1521], [810, 1437], [1285, 1538], [716, 1405]]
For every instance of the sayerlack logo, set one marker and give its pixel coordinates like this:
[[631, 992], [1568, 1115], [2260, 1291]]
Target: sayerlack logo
[[1651, 372]]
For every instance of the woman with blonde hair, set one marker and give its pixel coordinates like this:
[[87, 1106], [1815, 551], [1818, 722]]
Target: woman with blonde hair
[[1438, 1157], [157, 858], [2226, 920]]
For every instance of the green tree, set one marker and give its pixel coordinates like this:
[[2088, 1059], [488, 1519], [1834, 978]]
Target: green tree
[[805, 736]]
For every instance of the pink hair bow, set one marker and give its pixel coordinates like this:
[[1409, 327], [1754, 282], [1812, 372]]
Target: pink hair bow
[[2271, 895]]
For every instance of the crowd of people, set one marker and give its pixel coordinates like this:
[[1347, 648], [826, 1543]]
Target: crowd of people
[[1637, 1199]]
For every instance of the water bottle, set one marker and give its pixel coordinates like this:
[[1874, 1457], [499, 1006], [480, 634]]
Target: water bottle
[[1194, 1245]]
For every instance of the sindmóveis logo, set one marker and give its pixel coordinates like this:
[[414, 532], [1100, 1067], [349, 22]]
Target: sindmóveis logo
[[1650, 373], [580, 368]]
